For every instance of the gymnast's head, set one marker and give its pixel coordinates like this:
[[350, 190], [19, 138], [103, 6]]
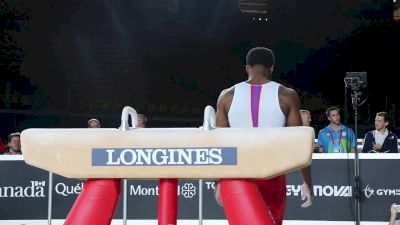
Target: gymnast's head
[[260, 61]]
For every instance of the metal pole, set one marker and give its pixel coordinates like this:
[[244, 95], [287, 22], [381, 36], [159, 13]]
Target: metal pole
[[124, 202], [357, 180], [50, 199], [346, 110], [200, 201]]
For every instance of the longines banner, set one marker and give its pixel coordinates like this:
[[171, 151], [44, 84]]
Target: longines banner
[[24, 192]]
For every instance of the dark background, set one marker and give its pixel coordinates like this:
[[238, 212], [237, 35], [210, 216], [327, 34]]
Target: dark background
[[63, 62]]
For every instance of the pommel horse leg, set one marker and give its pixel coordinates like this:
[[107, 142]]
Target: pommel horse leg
[[168, 202], [96, 203], [243, 203]]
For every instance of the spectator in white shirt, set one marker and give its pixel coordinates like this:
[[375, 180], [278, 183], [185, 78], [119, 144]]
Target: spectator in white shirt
[[380, 140]]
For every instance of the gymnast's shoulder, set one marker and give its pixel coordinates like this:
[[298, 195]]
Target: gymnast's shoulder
[[226, 94]]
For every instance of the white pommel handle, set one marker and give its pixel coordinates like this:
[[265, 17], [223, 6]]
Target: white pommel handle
[[126, 112], [209, 122]]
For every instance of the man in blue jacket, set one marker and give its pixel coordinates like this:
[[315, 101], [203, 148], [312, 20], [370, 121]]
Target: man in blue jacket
[[381, 139]]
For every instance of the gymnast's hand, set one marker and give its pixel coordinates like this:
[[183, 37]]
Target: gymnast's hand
[[307, 195], [217, 194]]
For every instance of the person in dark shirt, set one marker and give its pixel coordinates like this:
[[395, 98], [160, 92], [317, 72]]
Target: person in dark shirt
[[380, 140]]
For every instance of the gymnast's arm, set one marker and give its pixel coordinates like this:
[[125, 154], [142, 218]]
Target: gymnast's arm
[[291, 105], [223, 104]]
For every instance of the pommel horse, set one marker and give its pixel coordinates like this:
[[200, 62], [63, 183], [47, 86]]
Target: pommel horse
[[105, 156]]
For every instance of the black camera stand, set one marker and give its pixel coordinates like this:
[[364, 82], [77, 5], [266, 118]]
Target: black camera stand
[[357, 181], [355, 81]]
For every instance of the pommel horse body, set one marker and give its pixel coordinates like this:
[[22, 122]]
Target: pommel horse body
[[105, 156]]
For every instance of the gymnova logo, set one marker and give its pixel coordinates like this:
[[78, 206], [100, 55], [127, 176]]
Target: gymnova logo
[[164, 156], [321, 191], [369, 191], [35, 189]]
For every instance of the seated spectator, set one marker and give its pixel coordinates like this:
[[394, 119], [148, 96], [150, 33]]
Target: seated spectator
[[380, 140], [336, 137], [14, 144], [93, 123], [394, 212], [142, 120], [306, 119], [3, 148]]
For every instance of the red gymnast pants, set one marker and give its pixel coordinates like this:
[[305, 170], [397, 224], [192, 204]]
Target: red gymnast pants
[[255, 202]]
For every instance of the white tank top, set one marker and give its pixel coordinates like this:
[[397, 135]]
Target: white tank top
[[256, 106]]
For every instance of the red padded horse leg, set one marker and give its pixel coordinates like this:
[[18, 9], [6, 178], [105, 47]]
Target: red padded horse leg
[[168, 202], [96, 203]]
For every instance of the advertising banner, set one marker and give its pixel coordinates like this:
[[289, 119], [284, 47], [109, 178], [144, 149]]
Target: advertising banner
[[24, 192]]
